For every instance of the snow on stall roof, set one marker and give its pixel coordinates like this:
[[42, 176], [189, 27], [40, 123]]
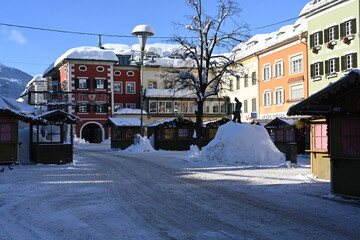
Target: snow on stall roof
[[155, 124], [129, 111], [122, 122]]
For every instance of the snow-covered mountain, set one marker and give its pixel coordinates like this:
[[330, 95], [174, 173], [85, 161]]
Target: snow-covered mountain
[[12, 81]]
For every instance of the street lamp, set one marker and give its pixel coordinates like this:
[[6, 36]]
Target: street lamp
[[142, 32]]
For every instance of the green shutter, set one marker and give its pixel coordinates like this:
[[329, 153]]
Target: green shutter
[[311, 40], [326, 35], [343, 63], [342, 30], [312, 70], [337, 65], [321, 68], [354, 58], [77, 83], [321, 40], [327, 67], [353, 22], [337, 32]]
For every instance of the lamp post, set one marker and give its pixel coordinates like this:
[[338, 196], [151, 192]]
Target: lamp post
[[142, 32]]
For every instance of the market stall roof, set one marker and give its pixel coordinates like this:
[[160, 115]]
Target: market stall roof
[[123, 122], [320, 102], [169, 121], [56, 117], [278, 121]]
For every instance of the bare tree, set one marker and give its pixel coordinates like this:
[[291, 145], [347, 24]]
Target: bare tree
[[209, 35]]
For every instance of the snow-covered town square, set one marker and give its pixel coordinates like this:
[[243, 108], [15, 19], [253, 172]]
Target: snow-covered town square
[[140, 193], [180, 120]]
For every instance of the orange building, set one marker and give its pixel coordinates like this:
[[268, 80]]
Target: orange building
[[282, 76]]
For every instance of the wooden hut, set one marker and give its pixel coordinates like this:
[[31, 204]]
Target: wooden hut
[[209, 130], [51, 137], [172, 134], [339, 105], [285, 133], [123, 131]]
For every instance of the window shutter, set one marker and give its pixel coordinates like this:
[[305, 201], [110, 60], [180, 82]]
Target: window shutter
[[321, 68], [354, 60], [88, 108], [282, 96], [337, 65], [270, 101], [77, 83], [326, 35], [270, 71], [312, 70], [343, 63], [337, 32], [76, 108], [327, 67], [105, 84], [87, 83], [311, 40], [263, 99], [342, 30], [321, 40], [353, 23], [282, 69], [94, 83]]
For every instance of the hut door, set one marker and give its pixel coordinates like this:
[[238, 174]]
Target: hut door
[[92, 133]]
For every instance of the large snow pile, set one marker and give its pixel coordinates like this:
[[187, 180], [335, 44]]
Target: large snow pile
[[143, 145], [242, 143]]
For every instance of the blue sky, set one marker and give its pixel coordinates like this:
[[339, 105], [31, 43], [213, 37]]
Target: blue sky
[[32, 50]]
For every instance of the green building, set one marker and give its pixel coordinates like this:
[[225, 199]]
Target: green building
[[333, 40]]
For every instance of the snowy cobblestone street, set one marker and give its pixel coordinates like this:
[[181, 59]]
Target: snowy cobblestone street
[[107, 194]]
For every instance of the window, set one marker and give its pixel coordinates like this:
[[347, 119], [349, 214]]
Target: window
[[131, 105], [100, 108], [332, 66], [6, 132], [183, 132], [246, 80], [253, 105], [130, 87], [279, 72], [117, 73], [231, 85], [50, 133], [177, 107], [211, 107], [223, 107], [82, 83], [237, 82], [296, 64], [349, 62], [279, 96], [118, 87], [267, 98], [266, 72], [253, 78], [320, 136], [100, 83], [152, 85], [169, 133], [347, 28], [82, 68], [152, 106], [165, 107], [350, 137], [82, 109], [284, 135], [317, 70], [188, 106], [331, 33], [100, 68], [123, 60], [297, 91], [130, 73], [316, 39], [245, 106]]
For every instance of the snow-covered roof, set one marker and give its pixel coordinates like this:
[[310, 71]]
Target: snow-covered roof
[[85, 53], [15, 106], [126, 122], [36, 78], [166, 93], [155, 124], [313, 5]]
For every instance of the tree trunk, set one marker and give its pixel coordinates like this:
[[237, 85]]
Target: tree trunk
[[199, 118]]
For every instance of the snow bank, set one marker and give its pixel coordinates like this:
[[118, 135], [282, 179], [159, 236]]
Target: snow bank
[[80, 141], [143, 145], [242, 143]]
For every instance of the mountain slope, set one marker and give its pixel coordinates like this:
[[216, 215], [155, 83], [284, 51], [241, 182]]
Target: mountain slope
[[12, 81]]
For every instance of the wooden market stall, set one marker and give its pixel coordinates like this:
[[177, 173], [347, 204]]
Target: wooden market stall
[[51, 137], [339, 132], [286, 132], [172, 134], [123, 131]]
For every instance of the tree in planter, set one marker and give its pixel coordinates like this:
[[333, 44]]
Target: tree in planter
[[207, 76]]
